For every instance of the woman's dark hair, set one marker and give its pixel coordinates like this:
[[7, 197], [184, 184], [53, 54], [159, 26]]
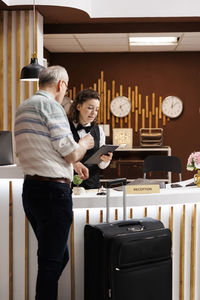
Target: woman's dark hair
[[81, 97]]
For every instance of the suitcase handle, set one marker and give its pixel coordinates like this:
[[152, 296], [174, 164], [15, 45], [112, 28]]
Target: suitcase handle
[[108, 184]]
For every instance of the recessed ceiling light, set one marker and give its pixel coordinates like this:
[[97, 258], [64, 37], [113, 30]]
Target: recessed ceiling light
[[153, 40]]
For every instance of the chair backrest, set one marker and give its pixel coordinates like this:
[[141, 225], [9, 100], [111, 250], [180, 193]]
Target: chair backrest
[[162, 163]]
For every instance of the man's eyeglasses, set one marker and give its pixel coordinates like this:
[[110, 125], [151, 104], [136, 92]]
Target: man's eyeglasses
[[66, 93]]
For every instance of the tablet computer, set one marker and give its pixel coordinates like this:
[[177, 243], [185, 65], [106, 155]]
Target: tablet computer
[[95, 158], [6, 148]]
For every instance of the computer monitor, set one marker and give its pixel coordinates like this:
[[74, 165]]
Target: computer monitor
[[6, 148]]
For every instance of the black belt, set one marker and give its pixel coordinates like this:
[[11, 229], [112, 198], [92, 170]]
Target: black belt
[[43, 178]]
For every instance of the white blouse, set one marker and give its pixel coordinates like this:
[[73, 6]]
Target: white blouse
[[102, 140]]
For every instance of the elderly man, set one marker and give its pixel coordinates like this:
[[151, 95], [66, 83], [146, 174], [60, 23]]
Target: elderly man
[[47, 152]]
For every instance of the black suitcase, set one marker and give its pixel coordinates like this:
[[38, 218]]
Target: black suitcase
[[127, 260]]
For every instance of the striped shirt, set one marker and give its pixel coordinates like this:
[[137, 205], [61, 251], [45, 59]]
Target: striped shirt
[[43, 137]]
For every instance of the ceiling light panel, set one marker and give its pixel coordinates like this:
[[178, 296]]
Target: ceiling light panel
[[153, 40]]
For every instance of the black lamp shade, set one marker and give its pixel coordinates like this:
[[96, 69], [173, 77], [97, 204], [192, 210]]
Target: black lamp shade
[[32, 71]]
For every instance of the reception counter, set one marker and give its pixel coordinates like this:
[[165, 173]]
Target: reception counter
[[178, 209]]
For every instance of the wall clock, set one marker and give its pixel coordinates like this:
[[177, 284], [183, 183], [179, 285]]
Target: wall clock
[[172, 106], [120, 106]]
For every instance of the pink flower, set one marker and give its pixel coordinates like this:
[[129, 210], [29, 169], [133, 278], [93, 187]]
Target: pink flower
[[193, 162]]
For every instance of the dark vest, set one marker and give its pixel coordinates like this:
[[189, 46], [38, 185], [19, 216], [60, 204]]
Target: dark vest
[[93, 181]]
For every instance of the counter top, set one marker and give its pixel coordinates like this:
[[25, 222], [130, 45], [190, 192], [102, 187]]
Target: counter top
[[11, 171], [165, 197]]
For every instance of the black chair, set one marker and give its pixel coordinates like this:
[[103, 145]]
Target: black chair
[[162, 163]]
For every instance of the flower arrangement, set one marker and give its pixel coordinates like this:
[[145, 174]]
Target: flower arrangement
[[193, 161]]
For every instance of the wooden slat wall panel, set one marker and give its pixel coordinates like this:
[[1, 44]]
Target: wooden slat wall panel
[[15, 31], [183, 225]]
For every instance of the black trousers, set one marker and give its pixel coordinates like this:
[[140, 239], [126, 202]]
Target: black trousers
[[48, 207]]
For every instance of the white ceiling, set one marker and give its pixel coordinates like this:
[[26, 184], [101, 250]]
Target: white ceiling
[[117, 42]]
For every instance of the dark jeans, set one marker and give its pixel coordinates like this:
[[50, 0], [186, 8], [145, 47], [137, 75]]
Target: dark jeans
[[48, 207]]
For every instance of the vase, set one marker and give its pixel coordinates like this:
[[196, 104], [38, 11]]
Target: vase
[[197, 178], [78, 190]]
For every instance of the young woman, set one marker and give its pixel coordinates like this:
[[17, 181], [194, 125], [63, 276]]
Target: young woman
[[83, 119]]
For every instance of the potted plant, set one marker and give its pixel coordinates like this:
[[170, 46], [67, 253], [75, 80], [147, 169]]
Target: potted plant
[[77, 190]]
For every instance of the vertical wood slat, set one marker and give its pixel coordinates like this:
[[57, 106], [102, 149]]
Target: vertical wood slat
[[143, 118], [192, 254], [153, 104], [136, 120], [182, 256], [160, 107], [10, 241], [26, 50], [113, 96], [131, 213], [150, 119], [108, 105], [147, 106], [116, 118], [70, 94], [74, 92], [133, 101], [72, 259], [104, 102], [26, 258], [159, 213], [136, 96], [164, 120], [9, 74], [140, 104], [127, 119], [116, 214], [171, 218], [1, 72], [101, 94], [35, 83], [101, 216], [145, 212], [156, 118], [121, 122], [18, 62], [87, 220]]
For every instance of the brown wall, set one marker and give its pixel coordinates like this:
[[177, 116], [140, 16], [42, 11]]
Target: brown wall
[[162, 73]]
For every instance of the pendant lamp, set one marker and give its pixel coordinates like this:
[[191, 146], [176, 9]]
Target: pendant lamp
[[31, 72]]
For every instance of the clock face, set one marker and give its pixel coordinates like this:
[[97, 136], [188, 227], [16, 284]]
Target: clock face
[[120, 106], [172, 106]]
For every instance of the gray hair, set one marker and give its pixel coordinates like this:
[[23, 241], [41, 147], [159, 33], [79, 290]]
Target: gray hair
[[52, 75]]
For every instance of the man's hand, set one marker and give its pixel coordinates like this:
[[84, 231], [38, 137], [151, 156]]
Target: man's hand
[[87, 141], [81, 170]]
